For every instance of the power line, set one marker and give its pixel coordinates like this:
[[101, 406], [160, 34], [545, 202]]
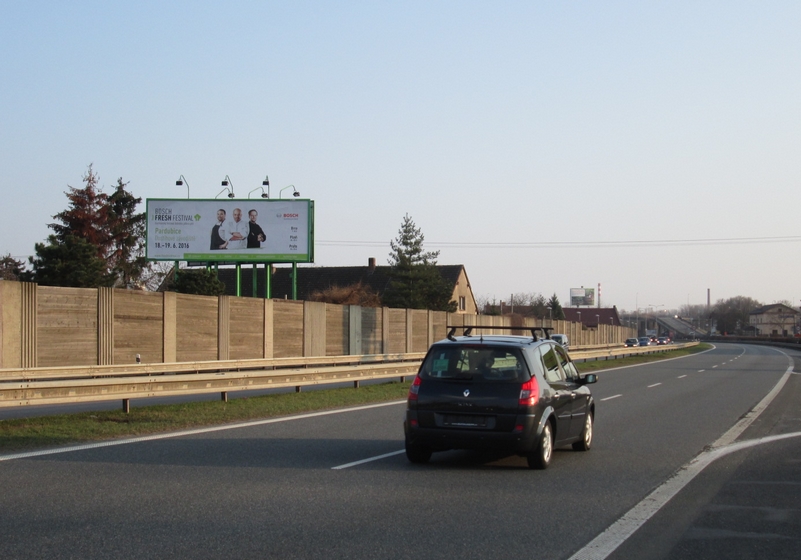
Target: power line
[[576, 244]]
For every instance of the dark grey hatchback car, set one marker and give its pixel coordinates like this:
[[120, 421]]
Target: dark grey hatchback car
[[520, 394]]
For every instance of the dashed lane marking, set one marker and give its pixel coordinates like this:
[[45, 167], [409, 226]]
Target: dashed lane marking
[[183, 433], [368, 460], [604, 544]]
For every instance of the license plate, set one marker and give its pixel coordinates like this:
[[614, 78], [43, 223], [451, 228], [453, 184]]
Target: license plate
[[464, 421]]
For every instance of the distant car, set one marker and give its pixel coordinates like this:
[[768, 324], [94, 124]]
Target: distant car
[[561, 339], [662, 340], [645, 341], [631, 342], [520, 394]]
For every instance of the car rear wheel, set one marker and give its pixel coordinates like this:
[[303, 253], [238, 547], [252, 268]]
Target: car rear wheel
[[417, 453], [540, 458], [585, 442]]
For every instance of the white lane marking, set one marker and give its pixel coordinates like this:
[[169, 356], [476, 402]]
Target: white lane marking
[[713, 367], [701, 370], [604, 544], [191, 432], [363, 461], [612, 397], [605, 370], [735, 431], [682, 376], [654, 385]]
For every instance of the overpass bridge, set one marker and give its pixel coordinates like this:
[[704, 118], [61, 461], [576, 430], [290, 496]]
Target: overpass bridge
[[662, 324], [679, 327]]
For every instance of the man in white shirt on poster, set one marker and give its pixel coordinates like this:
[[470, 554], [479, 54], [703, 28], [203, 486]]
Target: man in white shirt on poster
[[235, 232]]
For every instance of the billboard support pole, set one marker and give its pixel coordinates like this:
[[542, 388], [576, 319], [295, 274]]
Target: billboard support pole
[[255, 279], [238, 279], [268, 280], [294, 280]]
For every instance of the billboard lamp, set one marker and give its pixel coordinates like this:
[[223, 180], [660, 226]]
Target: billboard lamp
[[265, 183], [295, 192], [180, 182], [229, 186], [263, 194]]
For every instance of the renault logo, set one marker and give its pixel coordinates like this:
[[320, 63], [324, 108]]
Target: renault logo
[[466, 392]]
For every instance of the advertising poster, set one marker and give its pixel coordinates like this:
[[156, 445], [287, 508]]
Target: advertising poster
[[582, 296], [230, 230]]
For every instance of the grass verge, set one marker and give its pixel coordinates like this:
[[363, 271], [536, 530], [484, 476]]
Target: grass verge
[[25, 434], [589, 367]]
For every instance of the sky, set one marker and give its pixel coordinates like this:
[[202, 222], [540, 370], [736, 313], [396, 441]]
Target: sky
[[651, 148]]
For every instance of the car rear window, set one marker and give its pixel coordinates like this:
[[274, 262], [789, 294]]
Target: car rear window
[[551, 362], [476, 362]]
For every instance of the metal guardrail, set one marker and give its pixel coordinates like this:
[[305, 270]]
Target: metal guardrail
[[57, 385], [622, 352], [75, 372], [28, 386]]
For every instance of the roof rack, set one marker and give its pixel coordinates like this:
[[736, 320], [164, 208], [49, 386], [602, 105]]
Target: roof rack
[[468, 329]]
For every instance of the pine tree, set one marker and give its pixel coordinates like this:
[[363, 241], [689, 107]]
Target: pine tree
[[71, 262], [126, 233], [86, 216], [200, 282], [11, 268], [415, 282], [539, 306], [108, 224], [556, 308], [407, 249]]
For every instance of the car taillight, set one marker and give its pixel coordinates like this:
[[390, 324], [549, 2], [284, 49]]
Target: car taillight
[[415, 388], [530, 393]]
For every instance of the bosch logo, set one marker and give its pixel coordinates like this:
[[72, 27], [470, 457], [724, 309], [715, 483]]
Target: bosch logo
[[291, 215]]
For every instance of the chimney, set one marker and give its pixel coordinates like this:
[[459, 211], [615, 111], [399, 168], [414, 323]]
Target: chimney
[[371, 263]]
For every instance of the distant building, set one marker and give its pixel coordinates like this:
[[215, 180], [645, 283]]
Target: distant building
[[591, 317], [776, 319]]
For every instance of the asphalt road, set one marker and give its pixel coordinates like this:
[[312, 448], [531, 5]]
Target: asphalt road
[[290, 488]]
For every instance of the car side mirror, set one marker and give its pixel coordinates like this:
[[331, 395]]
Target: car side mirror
[[589, 378]]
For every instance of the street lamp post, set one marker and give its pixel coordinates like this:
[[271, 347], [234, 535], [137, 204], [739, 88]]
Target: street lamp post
[[597, 329], [655, 308]]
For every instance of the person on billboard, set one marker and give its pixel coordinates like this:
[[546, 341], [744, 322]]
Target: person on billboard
[[235, 232], [255, 233], [217, 242]]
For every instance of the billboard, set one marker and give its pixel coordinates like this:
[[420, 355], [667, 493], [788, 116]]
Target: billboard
[[230, 230], [582, 296]]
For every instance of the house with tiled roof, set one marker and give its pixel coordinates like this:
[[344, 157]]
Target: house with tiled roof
[[776, 319], [320, 278]]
